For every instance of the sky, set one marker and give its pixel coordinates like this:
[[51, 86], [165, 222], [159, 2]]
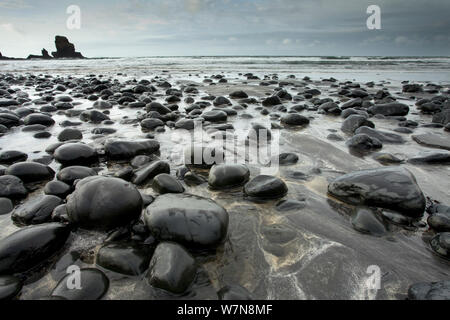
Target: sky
[[117, 28]]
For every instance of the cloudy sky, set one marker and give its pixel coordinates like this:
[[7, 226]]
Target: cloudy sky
[[113, 28]]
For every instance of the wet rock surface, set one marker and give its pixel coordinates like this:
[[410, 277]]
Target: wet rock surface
[[9, 287], [103, 203], [390, 188], [126, 259], [266, 187], [172, 268], [187, 219], [95, 285], [30, 246]]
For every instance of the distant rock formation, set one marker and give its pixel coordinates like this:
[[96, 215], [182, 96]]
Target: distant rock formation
[[6, 58], [44, 55], [65, 49]]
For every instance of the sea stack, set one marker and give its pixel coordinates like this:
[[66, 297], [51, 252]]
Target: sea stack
[[65, 49]]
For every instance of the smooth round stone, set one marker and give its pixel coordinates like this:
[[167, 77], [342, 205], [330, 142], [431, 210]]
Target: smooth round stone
[[12, 156], [365, 221], [390, 109], [287, 159], [234, 292], [215, 116], [6, 206], [123, 150], [151, 124], [384, 137], [147, 173], [36, 118], [57, 188], [30, 171], [42, 135], [387, 158], [440, 221], [187, 219], [9, 287], [12, 187], [104, 203], [219, 101], [140, 161], [70, 134], [172, 268], [294, 119], [353, 122], [390, 188], [165, 183], [30, 246], [266, 187], [94, 285], [126, 259], [70, 174], [290, 205], [93, 116], [187, 124], [104, 131], [363, 142], [228, 175], [431, 157], [75, 154], [37, 211], [441, 244], [430, 291]]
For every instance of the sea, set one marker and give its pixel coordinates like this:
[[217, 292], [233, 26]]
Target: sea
[[432, 69]]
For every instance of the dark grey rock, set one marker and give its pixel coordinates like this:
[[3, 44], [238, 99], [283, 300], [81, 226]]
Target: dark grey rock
[[9, 287], [266, 187], [70, 134], [6, 206], [30, 171], [70, 154], [172, 268], [390, 109], [12, 156], [187, 219], [94, 285], [129, 259], [36, 211], [30, 246], [150, 171], [353, 122], [12, 187], [365, 221], [57, 188], [165, 183], [70, 174], [384, 137], [123, 150], [430, 291], [104, 203], [389, 188], [433, 140], [228, 175]]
